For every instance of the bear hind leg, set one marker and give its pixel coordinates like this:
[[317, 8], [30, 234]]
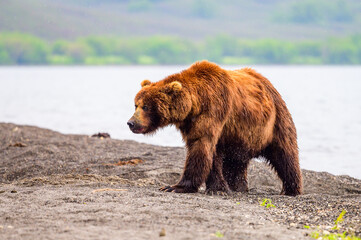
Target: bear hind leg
[[287, 167]]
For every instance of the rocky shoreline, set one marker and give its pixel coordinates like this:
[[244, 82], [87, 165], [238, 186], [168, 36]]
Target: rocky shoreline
[[74, 186]]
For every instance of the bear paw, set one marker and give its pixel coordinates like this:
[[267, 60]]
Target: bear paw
[[218, 189], [217, 193], [177, 189]]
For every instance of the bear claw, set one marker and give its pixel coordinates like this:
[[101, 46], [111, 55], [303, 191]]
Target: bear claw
[[166, 189], [176, 189]]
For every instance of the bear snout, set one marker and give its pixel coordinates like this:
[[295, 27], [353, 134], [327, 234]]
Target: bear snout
[[131, 124], [135, 127]]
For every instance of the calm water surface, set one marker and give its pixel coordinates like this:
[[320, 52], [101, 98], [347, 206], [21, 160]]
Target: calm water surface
[[325, 103]]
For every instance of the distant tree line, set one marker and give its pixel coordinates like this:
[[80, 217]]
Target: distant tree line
[[317, 12], [24, 49]]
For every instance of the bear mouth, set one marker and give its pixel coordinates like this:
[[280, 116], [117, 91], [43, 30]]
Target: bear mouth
[[138, 130]]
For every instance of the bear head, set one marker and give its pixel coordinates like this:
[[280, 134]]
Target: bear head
[[158, 105]]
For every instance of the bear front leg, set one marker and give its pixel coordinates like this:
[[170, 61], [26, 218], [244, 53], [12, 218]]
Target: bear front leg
[[215, 182], [235, 173], [197, 167]]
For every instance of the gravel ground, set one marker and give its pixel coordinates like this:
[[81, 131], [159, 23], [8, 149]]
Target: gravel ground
[[55, 186]]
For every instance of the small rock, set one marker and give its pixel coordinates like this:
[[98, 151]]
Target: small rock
[[17, 144], [162, 233], [293, 224], [101, 135], [133, 162], [147, 154], [2, 191], [14, 191]]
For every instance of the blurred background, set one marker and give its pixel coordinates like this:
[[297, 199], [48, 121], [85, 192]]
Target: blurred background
[[179, 32], [75, 66]]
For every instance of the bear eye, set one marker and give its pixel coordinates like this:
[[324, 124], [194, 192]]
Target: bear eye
[[145, 108]]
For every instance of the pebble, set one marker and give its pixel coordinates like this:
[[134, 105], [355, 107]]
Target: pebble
[[162, 233]]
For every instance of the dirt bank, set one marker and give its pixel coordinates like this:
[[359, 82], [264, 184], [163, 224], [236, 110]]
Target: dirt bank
[[55, 186]]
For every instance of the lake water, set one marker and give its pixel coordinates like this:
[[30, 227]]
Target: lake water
[[325, 103]]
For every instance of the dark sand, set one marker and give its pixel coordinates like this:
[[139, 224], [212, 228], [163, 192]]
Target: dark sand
[[55, 186]]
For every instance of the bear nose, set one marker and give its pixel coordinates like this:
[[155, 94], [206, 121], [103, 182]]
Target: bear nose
[[130, 124]]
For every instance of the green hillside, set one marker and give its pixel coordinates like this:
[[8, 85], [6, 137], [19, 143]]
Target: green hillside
[[180, 32], [23, 49], [188, 19]]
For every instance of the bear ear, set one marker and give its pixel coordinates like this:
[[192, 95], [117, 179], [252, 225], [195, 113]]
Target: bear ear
[[145, 82], [174, 86]]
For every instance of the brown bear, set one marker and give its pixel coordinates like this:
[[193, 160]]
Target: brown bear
[[226, 118]]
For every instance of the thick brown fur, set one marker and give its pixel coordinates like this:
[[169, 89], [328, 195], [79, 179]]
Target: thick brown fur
[[226, 118]]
